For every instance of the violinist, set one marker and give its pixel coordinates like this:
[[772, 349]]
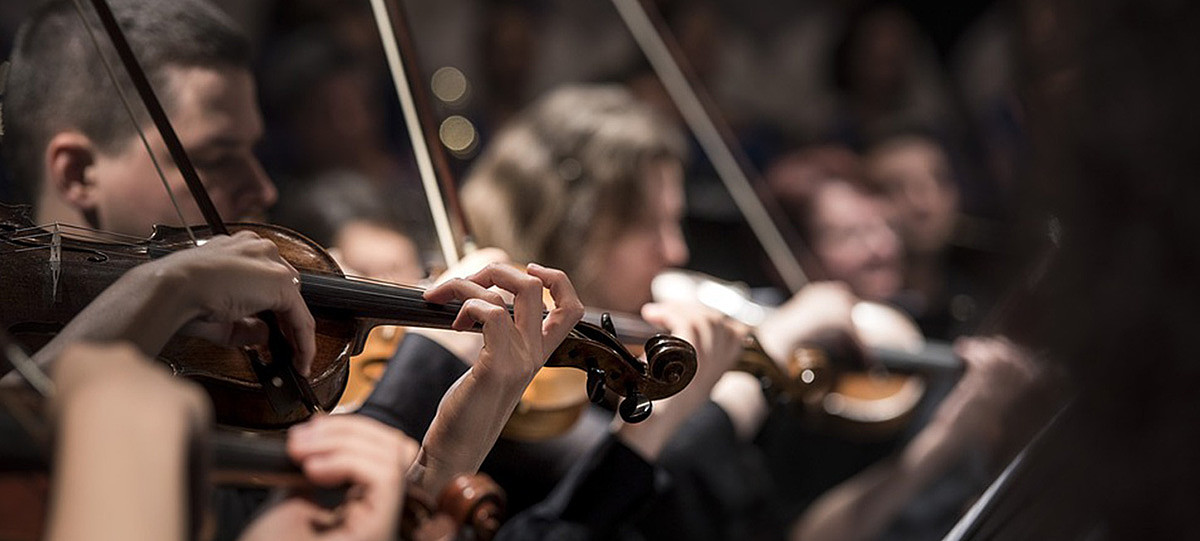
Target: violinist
[[847, 222], [592, 180], [78, 159], [590, 168], [83, 163], [945, 253], [846, 226]]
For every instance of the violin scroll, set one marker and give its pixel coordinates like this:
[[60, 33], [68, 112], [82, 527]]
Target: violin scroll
[[476, 502], [670, 365], [471, 507]]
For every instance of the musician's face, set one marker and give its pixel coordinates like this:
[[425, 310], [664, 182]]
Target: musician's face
[[854, 243], [648, 247], [922, 198], [215, 113]]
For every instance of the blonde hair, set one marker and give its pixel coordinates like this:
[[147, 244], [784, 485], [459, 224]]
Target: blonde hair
[[566, 177]]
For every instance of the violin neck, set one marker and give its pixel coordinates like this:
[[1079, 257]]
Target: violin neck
[[386, 303]]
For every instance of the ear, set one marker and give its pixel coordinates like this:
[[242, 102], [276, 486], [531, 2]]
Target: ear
[[69, 158]]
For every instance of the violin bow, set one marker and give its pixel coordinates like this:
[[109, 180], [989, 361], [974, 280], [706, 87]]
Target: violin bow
[[432, 162], [284, 387], [778, 239]]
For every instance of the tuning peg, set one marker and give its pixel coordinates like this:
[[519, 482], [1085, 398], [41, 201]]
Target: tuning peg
[[606, 323], [635, 408], [595, 385]]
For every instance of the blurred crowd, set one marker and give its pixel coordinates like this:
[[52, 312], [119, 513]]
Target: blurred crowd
[[888, 135], [886, 130]]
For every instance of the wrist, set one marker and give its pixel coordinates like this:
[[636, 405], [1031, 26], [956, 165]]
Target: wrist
[[172, 290], [506, 380]]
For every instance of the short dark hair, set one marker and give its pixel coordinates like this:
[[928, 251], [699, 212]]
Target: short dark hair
[[57, 80]]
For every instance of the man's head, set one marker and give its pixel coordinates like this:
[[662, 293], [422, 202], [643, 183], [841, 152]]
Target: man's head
[[847, 226], [588, 180], [913, 172], [69, 141]]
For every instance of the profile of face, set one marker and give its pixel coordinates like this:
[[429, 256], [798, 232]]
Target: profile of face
[[215, 114], [375, 251], [853, 241], [644, 249], [914, 174]]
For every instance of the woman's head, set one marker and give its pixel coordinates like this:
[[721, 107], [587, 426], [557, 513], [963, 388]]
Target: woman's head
[[587, 180]]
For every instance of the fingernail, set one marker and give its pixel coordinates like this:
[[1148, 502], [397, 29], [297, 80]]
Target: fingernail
[[534, 266]]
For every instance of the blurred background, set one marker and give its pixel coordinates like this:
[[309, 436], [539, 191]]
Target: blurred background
[[808, 86]]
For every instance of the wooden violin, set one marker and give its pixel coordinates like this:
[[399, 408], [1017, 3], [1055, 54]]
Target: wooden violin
[[51, 275], [470, 507], [866, 394]]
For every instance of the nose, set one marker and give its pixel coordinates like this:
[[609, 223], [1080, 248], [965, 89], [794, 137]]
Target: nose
[[674, 248], [882, 241], [260, 193]]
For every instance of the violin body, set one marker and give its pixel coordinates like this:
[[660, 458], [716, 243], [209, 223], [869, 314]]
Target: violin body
[[41, 302]]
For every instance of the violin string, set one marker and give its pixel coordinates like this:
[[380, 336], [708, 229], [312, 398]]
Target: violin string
[[112, 75], [46, 230]]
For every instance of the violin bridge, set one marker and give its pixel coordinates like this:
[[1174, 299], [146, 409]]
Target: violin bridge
[[55, 259]]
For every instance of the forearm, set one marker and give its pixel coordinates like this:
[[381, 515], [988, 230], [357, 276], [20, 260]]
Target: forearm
[[120, 471], [468, 422], [863, 506], [146, 307], [740, 395]]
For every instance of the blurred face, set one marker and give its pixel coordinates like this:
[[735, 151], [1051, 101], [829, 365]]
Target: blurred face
[[922, 199], [648, 247], [216, 117], [374, 251], [854, 243]]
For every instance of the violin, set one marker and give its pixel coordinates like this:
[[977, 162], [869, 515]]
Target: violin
[[470, 507], [827, 380], [53, 275], [867, 397]]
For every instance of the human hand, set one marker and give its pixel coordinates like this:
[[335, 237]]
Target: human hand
[[998, 373], [465, 346], [718, 341], [817, 311], [338, 450], [229, 279], [514, 346]]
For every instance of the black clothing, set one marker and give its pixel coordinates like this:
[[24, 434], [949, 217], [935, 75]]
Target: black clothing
[[408, 394], [718, 486], [597, 499]]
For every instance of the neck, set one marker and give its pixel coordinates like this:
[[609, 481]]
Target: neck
[[51, 208]]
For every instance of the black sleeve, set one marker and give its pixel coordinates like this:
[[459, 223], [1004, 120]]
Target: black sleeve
[[412, 386], [601, 496], [719, 484]]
